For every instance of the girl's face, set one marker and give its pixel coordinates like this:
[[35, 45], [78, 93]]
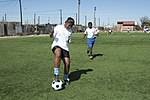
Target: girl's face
[[68, 25]]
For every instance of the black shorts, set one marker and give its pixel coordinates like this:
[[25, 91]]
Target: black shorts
[[64, 53]]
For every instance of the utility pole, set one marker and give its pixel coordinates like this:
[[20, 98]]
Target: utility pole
[[38, 20], [85, 21], [79, 2], [60, 16], [34, 19], [76, 18], [99, 20], [5, 17], [108, 22], [94, 16], [48, 20], [20, 12]]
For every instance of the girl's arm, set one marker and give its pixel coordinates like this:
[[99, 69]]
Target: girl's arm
[[51, 33]]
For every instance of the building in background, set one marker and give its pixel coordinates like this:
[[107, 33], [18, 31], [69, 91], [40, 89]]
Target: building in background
[[14, 28], [124, 25], [10, 28]]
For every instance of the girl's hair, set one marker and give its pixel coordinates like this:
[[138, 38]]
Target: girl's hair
[[90, 24], [70, 20]]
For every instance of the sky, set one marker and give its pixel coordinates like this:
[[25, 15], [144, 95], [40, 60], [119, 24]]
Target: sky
[[48, 11]]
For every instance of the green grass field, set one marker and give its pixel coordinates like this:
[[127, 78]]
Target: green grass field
[[120, 69]]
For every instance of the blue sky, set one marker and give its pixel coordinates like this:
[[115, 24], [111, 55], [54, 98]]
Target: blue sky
[[108, 11]]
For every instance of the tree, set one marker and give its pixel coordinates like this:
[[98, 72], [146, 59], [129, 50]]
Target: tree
[[149, 22], [137, 27], [144, 20]]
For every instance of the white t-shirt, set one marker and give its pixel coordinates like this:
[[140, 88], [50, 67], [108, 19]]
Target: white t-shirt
[[61, 36], [91, 32]]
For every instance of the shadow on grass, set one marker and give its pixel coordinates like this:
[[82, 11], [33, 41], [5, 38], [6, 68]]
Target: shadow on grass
[[97, 55], [76, 75]]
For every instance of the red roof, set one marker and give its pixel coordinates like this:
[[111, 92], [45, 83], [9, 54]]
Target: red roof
[[126, 22]]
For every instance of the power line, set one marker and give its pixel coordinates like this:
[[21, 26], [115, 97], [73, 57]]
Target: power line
[[7, 8], [7, 1], [47, 10]]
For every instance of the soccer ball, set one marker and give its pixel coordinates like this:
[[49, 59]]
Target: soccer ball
[[57, 85]]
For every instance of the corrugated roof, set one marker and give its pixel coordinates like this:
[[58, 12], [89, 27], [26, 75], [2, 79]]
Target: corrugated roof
[[127, 22]]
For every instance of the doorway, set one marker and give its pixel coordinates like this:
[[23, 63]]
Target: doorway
[[5, 30]]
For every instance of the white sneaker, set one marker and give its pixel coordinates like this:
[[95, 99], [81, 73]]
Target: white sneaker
[[67, 82], [91, 57]]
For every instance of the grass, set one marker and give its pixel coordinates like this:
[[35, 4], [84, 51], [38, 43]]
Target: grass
[[119, 71]]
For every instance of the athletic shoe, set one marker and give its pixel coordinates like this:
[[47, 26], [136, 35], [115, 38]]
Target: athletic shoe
[[67, 82], [91, 57], [56, 78], [87, 51]]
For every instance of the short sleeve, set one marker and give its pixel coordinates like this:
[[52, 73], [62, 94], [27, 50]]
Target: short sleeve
[[85, 31], [55, 31], [70, 35], [95, 31]]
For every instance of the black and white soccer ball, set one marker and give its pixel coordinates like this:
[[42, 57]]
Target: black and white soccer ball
[[57, 85]]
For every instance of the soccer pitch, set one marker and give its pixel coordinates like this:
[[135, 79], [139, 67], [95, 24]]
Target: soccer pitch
[[120, 69]]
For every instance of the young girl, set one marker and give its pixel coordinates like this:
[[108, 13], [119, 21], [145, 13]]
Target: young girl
[[91, 35], [62, 34]]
